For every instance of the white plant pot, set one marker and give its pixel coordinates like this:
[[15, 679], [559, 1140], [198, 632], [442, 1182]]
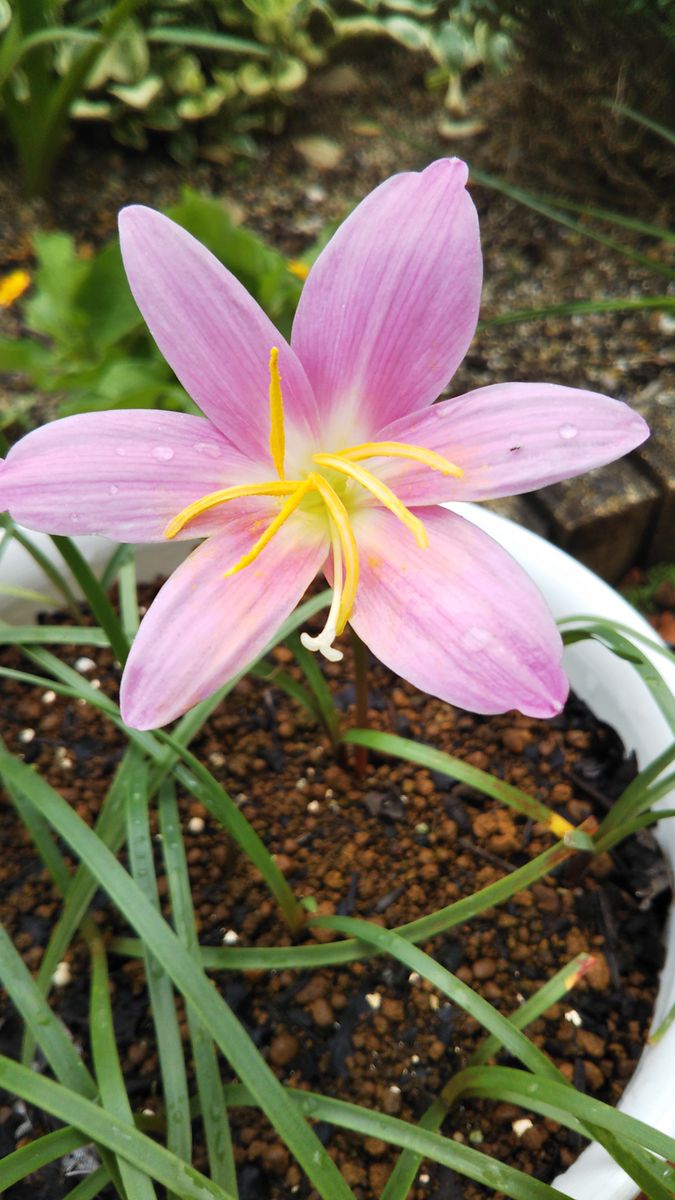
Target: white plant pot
[[615, 693]]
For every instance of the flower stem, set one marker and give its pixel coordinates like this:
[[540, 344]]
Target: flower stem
[[361, 664]]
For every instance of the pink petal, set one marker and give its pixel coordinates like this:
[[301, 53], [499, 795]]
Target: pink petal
[[201, 629], [510, 438], [122, 474], [460, 620], [391, 305], [211, 332]]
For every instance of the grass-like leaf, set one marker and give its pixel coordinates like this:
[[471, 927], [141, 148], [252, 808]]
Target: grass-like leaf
[[160, 989], [456, 768], [108, 1070], [272, 958], [95, 595], [207, 1072], [212, 1010], [108, 1130], [37, 1154], [403, 1175]]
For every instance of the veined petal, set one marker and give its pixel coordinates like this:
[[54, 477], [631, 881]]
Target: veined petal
[[212, 333], [510, 438], [202, 628], [391, 304], [460, 620], [122, 474]]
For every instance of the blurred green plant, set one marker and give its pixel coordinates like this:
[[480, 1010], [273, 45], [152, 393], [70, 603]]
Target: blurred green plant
[[459, 35], [87, 347], [205, 74]]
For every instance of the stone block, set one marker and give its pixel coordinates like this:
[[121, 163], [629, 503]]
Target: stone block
[[603, 517], [657, 458]]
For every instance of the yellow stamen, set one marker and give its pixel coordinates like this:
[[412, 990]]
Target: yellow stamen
[[12, 286], [284, 488], [428, 458], [379, 490], [350, 553], [277, 435], [284, 513]]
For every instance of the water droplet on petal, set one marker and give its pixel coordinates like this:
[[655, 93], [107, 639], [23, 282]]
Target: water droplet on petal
[[568, 431], [120, 450], [210, 449], [163, 453], [75, 518], [113, 489]]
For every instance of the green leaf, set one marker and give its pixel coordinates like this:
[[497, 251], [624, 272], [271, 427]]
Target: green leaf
[[209, 1084], [34, 1155], [96, 597], [456, 768], [160, 989], [108, 1069], [108, 1130], [212, 1010], [46, 1027]]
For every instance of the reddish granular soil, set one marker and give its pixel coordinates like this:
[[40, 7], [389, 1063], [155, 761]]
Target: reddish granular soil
[[400, 843]]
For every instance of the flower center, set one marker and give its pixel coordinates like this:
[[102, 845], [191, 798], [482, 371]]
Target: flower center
[[346, 465]]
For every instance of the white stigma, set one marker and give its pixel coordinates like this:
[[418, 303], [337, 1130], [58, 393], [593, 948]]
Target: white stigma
[[323, 642]]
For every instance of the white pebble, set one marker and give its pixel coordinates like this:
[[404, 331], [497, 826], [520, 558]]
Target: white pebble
[[374, 1000], [521, 1126], [230, 937], [301, 785], [62, 974], [573, 1017], [313, 806], [48, 697], [26, 736], [196, 825], [84, 665]]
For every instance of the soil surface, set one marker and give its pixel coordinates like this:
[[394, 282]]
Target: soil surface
[[391, 847]]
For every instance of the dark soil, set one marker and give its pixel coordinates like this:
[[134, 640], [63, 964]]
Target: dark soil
[[400, 843]]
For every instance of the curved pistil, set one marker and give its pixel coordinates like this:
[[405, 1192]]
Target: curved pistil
[[294, 491]]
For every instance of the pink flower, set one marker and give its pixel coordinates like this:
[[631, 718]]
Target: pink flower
[[326, 454]]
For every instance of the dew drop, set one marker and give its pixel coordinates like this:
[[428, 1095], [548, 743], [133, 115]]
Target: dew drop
[[163, 453], [113, 489], [120, 450], [568, 431], [210, 449], [75, 518]]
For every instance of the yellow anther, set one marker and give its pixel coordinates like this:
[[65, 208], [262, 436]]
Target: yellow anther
[[277, 434], [428, 458], [377, 489], [274, 488], [350, 553], [285, 512]]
